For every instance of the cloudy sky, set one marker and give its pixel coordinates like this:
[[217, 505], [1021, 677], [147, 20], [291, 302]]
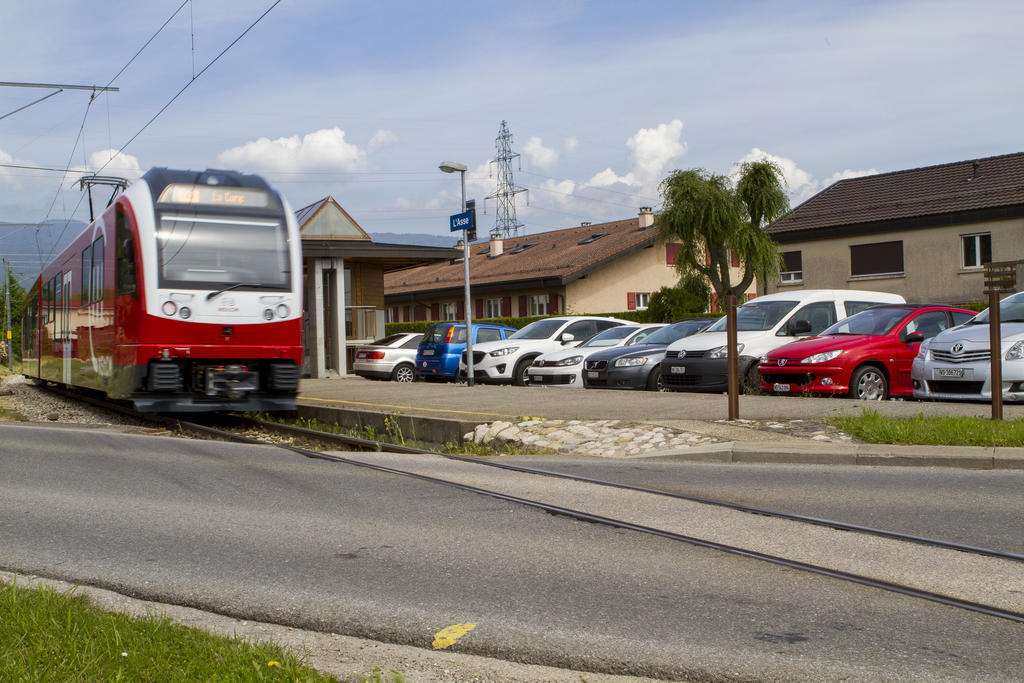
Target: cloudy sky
[[363, 100]]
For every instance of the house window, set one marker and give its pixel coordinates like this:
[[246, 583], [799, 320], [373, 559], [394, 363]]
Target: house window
[[976, 249], [493, 308], [448, 311], [638, 300], [881, 258], [792, 267], [539, 305], [392, 315]]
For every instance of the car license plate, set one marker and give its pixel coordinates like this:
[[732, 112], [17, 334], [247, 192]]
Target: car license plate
[[593, 374], [949, 372], [780, 387], [678, 370], [428, 352]]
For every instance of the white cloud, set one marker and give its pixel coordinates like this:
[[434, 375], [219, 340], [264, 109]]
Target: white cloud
[[112, 162], [321, 150], [540, 156], [382, 138], [654, 149], [800, 184], [843, 175]]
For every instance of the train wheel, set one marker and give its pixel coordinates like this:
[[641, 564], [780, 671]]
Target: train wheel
[[403, 373]]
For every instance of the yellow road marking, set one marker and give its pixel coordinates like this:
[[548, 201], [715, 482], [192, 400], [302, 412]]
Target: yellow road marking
[[446, 637], [430, 410]]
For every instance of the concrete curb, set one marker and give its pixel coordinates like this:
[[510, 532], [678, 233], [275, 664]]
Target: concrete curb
[[963, 457]]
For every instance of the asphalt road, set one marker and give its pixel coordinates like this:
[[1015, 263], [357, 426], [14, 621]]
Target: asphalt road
[[973, 507], [262, 534], [498, 402]]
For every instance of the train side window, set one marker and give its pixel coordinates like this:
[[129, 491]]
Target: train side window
[[126, 282], [97, 269], [86, 274]]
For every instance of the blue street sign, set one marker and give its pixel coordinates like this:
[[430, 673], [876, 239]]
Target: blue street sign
[[462, 221]]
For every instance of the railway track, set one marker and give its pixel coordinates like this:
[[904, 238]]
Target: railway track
[[349, 442]]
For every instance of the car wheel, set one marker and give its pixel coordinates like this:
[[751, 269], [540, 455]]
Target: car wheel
[[520, 376], [868, 383], [751, 382], [403, 373], [654, 382]]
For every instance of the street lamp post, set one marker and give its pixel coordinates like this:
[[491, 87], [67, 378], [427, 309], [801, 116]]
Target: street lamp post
[[452, 167]]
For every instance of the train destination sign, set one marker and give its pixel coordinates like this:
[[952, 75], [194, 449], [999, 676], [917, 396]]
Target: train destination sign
[[212, 195]]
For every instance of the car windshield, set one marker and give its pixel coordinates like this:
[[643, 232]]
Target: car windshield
[[1011, 310], [757, 315], [667, 335], [610, 337], [388, 340], [209, 252], [873, 321], [439, 334], [541, 329]]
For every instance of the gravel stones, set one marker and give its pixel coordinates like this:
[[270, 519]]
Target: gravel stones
[[605, 438]]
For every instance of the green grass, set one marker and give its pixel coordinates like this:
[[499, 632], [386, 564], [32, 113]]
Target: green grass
[[932, 431], [393, 435], [47, 635]]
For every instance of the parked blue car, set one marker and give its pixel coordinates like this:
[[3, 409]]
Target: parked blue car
[[442, 346]]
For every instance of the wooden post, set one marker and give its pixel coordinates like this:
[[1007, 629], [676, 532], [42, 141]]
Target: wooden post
[[733, 358], [996, 355]]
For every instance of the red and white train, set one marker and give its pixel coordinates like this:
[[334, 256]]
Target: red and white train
[[185, 295]]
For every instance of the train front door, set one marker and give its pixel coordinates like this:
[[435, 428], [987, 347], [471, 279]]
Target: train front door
[[65, 326]]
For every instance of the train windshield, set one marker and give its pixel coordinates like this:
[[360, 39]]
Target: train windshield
[[209, 252]]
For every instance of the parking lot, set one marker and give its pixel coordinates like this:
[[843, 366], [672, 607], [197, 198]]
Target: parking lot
[[490, 403]]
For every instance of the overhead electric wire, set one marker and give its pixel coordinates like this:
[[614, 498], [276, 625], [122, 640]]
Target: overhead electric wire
[[193, 80]]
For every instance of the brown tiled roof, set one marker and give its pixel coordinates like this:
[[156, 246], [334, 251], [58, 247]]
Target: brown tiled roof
[[555, 254], [971, 185]]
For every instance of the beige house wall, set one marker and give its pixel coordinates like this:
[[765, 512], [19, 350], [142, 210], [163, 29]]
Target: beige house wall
[[932, 262], [604, 290]]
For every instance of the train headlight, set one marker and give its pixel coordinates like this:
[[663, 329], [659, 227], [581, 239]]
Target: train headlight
[[268, 314], [283, 310], [170, 308], [185, 312]]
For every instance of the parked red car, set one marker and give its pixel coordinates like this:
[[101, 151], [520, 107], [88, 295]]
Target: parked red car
[[867, 355]]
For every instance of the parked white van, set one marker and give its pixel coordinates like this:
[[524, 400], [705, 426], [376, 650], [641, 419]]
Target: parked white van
[[699, 362]]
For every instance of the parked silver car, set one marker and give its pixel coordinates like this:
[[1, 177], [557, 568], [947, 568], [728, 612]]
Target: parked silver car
[[393, 357], [956, 363]]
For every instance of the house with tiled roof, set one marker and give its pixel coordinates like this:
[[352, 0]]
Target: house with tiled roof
[[343, 275], [591, 268], [924, 233]]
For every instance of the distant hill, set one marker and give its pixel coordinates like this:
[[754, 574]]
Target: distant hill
[[24, 245], [414, 239]]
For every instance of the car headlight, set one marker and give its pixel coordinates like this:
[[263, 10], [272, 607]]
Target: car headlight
[[629, 362], [722, 352], [822, 357], [565, 362], [503, 352], [1016, 351], [922, 350]]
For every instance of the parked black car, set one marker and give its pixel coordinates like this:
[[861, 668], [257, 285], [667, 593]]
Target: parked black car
[[638, 366]]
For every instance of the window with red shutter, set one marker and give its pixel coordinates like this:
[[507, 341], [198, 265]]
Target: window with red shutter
[[479, 309], [631, 301], [523, 310], [671, 250]]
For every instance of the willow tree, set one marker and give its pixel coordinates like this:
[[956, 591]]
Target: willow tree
[[716, 222]]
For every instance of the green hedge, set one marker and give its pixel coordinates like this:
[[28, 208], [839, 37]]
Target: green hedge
[[521, 322]]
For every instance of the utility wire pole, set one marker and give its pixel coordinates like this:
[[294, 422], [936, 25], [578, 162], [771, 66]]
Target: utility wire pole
[[7, 318], [505, 224]]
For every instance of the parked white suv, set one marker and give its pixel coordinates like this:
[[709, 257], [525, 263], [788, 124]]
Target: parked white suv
[[506, 361], [699, 362]]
